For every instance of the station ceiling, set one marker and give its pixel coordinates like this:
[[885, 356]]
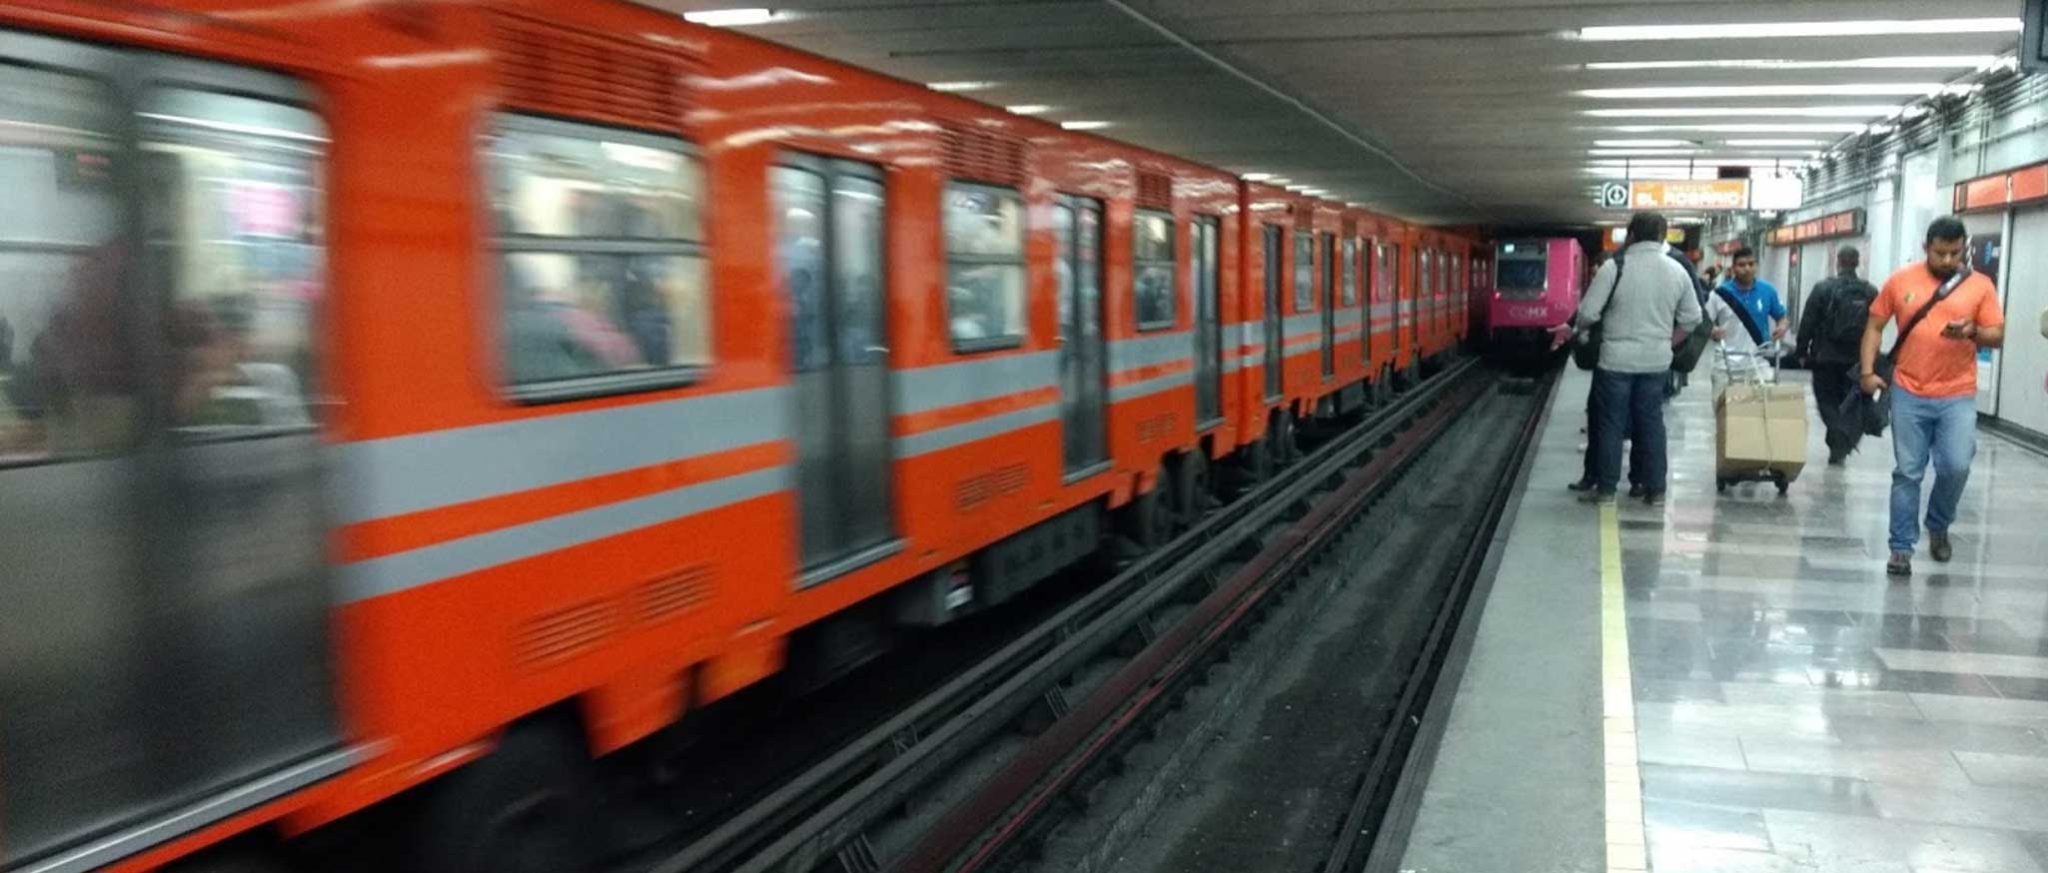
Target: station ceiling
[[1439, 111]]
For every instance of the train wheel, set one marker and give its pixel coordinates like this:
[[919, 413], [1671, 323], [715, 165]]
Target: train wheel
[[1192, 489], [524, 809], [1255, 464], [1149, 517], [1285, 448]]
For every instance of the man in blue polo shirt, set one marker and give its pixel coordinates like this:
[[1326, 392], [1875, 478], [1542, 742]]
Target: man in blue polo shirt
[[1755, 295]]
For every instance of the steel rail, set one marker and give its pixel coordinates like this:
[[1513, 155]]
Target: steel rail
[[805, 821]]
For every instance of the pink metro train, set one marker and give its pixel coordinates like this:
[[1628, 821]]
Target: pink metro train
[[1536, 286]]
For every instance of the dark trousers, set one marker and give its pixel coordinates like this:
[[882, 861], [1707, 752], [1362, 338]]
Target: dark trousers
[[1631, 405], [1831, 386], [1637, 460]]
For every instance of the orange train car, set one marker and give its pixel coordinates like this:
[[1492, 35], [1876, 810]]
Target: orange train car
[[482, 386]]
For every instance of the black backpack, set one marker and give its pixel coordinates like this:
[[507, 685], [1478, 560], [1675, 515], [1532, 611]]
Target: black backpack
[[1848, 314]]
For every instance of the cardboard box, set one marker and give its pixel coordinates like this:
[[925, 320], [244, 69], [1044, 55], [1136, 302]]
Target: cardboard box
[[1760, 427]]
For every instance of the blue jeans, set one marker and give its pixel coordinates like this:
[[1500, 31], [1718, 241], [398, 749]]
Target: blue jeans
[[1630, 406], [1943, 430]]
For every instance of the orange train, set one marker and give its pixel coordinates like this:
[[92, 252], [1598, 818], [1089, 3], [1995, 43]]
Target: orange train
[[423, 399]]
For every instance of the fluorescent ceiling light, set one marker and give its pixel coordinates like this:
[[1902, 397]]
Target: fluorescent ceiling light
[[1029, 108], [730, 17], [1642, 143], [1683, 92], [961, 86], [1278, 180], [1084, 125], [1765, 143], [1257, 177], [1683, 151], [1863, 111], [1767, 30], [1703, 161], [1737, 128], [1911, 62], [1314, 192]]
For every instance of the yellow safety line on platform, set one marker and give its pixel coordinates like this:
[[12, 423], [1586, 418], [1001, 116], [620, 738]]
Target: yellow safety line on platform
[[1627, 848]]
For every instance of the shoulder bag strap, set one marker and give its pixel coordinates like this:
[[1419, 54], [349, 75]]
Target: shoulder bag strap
[[1741, 312], [1940, 294], [1614, 290]]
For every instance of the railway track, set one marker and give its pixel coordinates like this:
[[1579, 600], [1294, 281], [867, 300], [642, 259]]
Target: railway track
[[1013, 731]]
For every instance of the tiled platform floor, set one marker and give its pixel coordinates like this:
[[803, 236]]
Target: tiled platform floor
[[1796, 710]]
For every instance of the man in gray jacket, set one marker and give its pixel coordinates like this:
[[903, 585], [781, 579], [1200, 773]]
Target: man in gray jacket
[[1652, 300]]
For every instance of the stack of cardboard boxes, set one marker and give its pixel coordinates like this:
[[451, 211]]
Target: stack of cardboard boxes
[[1760, 430]]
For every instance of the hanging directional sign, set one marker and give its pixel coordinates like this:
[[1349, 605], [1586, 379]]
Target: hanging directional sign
[[1614, 195]]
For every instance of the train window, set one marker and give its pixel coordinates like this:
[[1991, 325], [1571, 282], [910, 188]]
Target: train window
[[67, 388], [1154, 279], [602, 261], [984, 267], [841, 299], [234, 201], [1304, 272], [1350, 269]]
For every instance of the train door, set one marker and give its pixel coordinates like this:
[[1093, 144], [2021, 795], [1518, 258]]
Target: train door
[[164, 645], [1078, 224], [1420, 304], [1208, 324], [1327, 285], [1350, 279], [1380, 304], [1276, 339], [829, 238]]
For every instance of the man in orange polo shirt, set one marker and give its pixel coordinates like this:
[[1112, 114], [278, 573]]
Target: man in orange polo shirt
[[1934, 390]]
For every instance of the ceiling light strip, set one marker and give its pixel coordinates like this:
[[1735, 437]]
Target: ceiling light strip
[[1347, 133], [1784, 29]]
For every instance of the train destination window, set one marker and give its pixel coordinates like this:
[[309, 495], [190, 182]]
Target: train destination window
[[1304, 272], [234, 196], [602, 262], [984, 267], [1154, 280]]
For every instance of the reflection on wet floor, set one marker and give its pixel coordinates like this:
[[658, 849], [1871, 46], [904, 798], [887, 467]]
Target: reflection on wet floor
[[1797, 710]]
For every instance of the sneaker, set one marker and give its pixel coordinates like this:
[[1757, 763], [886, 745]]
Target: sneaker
[[1901, 564], [1581, 485], [1939, 546], [1598, 496], [1654, 498]]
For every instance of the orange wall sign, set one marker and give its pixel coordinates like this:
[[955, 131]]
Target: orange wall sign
[[1996, 191], [1832, 226], [1705, 194]]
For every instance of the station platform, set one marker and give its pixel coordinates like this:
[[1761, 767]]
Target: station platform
[[1731, 682]]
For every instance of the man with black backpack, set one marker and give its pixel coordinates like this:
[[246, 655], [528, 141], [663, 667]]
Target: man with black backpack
[[1830, 334]]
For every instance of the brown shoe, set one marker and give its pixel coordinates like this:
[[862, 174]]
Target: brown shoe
[[1939, 546], [1901, 564]]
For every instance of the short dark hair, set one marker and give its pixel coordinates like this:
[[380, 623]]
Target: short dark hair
[[1647, 227], [1743, 252], [1946, 228]]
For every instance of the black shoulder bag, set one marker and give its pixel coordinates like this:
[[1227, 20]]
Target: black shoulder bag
[[1586, 343], [1887, 363], [1874, 413]]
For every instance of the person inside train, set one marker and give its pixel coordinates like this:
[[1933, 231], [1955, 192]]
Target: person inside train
[[1830, 330], [1641, 299], [1758, 296]]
